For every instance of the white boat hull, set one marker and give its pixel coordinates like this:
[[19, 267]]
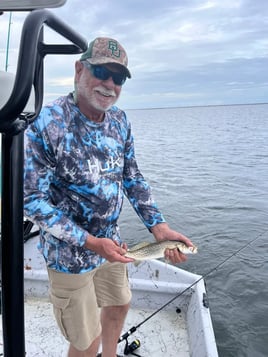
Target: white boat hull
[[153, 284]]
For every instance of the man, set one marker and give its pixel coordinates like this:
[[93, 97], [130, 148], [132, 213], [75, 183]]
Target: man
[[79, 162]]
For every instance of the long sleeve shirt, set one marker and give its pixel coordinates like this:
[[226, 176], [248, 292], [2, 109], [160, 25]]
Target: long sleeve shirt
[[76, 174]]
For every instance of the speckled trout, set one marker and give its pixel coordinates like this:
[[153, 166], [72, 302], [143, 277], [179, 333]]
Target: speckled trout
[[147, 251]]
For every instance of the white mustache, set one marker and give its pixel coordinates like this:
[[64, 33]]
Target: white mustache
[[106, 92]]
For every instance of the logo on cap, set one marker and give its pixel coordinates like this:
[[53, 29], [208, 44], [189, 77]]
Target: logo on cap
[[114, 49]]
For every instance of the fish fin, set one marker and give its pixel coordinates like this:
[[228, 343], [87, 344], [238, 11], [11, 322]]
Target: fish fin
[[138, 246], [137, 263]]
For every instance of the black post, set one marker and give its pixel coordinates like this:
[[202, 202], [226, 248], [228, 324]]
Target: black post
[[12, 245], [12, 125]]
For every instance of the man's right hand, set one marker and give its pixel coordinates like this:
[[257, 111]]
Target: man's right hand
[[108, 249]]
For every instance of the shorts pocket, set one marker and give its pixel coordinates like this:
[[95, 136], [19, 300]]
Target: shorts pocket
[[60, 305], [59, 302]]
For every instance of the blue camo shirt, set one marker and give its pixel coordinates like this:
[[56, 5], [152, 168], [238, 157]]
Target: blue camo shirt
[[76, 174]]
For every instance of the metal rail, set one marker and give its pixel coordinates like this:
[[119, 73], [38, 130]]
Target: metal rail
[[13, 122]]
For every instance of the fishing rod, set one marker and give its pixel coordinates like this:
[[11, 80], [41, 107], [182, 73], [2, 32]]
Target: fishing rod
[[136, 344]]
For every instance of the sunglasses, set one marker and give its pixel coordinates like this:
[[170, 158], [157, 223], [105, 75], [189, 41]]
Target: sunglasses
[[102, 73]]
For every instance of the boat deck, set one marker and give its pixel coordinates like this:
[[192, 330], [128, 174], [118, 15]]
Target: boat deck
[[43, 338], [153, 284], [165, 329]]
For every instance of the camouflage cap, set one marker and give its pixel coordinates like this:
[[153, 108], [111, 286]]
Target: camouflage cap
[[106, 50]]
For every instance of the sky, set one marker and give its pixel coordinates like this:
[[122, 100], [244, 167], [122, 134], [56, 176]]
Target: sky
[[181, 52]]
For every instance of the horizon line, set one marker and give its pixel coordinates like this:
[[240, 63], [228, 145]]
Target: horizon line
[[198, 106]]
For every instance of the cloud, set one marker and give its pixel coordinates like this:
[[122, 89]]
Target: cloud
[[180, 52]]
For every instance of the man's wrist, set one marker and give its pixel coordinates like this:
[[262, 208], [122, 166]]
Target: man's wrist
[[91, 242], [159, 229]]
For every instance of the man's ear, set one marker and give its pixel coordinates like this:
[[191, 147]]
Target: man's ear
[[78, 68]]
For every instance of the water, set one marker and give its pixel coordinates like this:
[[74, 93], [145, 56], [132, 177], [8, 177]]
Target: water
[[208, 167]]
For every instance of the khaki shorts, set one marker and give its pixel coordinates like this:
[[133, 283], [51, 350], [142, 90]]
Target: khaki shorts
[[77, 299]]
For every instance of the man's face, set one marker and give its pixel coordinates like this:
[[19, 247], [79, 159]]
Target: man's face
[[93, 94]]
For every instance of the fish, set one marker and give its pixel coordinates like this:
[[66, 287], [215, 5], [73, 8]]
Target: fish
[[156, 250]]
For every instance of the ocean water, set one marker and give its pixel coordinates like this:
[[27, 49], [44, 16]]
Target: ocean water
[[208, 167]]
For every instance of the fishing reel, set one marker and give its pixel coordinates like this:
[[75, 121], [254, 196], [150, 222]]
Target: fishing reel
[[129, 349]]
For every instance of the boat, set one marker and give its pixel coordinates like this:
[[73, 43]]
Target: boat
[[169, 313]]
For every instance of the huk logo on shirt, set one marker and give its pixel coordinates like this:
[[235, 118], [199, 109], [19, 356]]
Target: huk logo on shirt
[[94, 165]]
